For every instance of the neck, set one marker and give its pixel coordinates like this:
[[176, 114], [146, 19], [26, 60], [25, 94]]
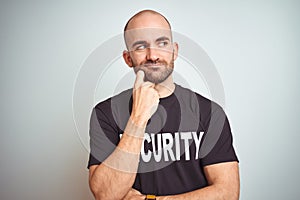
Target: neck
[[165, 88]]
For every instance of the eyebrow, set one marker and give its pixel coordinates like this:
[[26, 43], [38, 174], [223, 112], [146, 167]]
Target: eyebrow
[[138, 42], [163, 38]]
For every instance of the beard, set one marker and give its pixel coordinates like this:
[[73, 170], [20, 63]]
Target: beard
[[155, 71]]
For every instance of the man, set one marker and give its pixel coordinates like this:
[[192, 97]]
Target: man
[[159, 140]]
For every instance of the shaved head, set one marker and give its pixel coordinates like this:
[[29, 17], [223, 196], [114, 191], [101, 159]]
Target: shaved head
[[147, 20], [136, 20]]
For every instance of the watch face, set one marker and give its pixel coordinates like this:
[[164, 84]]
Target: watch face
[[150, 197]]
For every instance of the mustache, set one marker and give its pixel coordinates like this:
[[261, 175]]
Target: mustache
[[154, 62]]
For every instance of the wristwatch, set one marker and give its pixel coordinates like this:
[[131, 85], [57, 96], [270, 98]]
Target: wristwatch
[[150, 197]]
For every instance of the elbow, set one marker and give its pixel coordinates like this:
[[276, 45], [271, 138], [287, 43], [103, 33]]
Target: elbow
[[230, 194], [103, 188], [100, 194], [96, 191], [226, 192]]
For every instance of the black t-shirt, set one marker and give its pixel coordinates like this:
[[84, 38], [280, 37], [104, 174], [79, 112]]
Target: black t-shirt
[[186, 133]]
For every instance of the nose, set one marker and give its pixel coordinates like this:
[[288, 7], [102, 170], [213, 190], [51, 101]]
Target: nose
[[152, 54]]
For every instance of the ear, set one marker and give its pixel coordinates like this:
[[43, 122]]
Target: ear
[[127, 58], [175, 49]]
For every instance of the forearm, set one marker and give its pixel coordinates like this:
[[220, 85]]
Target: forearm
[[213, 192], [115, 176]]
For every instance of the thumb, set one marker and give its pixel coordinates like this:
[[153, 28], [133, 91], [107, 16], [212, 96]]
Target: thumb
[[139, 79]]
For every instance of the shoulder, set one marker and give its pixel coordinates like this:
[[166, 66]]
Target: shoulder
[[115, 109], [115, 100], [190, 95], [205, 106]]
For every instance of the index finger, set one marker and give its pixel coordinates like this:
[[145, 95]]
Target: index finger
[[139, 79]]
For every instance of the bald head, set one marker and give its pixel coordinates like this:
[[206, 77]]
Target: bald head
[[146, 23], [147, 19]]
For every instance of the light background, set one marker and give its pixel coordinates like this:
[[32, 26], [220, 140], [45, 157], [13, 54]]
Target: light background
[[253, 44]]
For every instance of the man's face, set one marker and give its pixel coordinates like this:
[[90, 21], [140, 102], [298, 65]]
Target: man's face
[[151, 50]]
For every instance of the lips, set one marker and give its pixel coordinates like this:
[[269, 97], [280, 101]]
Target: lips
[[155, 65]]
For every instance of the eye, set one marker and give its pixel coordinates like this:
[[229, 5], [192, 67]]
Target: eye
[[140, 47], [163, 44]]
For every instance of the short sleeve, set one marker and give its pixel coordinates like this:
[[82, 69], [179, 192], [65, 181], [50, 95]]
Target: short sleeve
[[103, 132], [217, 146]]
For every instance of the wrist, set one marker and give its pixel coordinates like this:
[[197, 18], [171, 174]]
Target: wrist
[[139, 120], [135, 129], [161, 198]]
